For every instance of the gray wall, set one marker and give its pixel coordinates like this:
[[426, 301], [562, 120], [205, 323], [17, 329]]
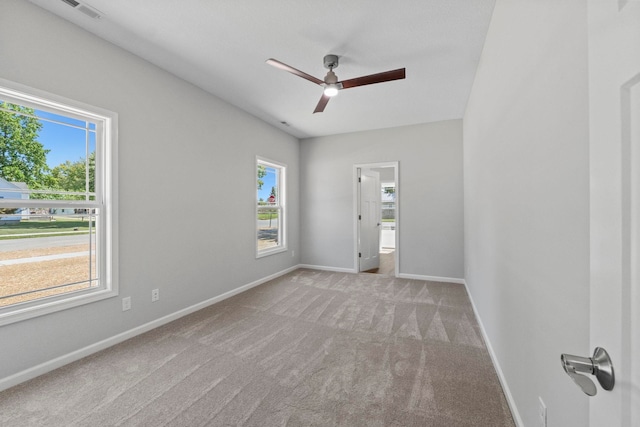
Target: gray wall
[[429, 193], [182, 152], [526, 188]]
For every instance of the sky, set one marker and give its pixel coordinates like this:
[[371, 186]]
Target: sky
[[269, 181], [65, 142]]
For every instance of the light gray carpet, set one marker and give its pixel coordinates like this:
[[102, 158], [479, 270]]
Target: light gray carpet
[[308, 349]]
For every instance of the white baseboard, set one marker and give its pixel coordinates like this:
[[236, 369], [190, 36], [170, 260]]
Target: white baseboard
[[323, 268], [399, 275], [58, 362], [507, 392], [431, 278]]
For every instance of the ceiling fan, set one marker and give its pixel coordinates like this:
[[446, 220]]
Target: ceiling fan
[[331, 84]]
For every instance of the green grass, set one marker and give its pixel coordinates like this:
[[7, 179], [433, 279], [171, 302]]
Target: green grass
[[266, 215], [60, 226]]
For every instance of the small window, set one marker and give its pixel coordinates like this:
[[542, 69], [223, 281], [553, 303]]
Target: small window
[[57, 195], [270, 207]]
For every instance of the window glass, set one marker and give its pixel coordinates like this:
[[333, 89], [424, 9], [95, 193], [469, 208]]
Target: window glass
[[270, 207]]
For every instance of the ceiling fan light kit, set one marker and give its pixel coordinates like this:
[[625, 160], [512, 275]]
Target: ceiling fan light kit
[[331, 90], [331, 84]]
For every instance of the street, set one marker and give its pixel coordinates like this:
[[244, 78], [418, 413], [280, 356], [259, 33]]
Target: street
[[42, 242]]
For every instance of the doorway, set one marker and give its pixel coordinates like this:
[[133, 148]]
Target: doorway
[[376, 224]]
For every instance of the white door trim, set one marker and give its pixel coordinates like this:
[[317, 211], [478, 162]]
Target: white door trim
[[356, 201]]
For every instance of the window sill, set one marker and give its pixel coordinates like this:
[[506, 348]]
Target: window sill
[[272, 251], [16, 313]]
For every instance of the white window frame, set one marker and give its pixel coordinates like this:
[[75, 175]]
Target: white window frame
[[106, 183], [280, 206]]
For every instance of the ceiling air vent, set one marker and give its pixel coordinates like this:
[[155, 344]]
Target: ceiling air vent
[[87, 10]]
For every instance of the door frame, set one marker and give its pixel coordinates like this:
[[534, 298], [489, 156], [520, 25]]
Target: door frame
[[356, 200]]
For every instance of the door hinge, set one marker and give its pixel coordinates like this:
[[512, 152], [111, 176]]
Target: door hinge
[[360, 217], [359, 179], [359, 254]]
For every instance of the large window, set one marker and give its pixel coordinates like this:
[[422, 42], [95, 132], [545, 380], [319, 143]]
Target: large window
[[270, 207], [57, 203]]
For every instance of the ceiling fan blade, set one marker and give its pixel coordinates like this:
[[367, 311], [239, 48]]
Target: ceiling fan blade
[[386, 76], [285, 67], [321, 104]]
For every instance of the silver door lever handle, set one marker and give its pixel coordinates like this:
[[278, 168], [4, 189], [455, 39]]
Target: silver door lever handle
[[598, 365]]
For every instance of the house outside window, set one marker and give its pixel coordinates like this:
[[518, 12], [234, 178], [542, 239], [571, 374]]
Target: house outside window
[[388, 201], [270, 207], [58, 205]]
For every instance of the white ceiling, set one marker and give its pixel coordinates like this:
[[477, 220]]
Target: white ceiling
[[221, 46]]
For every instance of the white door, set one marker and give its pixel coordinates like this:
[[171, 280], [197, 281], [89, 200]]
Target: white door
[[614, 134], [369, 216]]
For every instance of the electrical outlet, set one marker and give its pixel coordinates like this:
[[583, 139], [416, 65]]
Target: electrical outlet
[[542, 413], [155, 295], [126, 303]]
